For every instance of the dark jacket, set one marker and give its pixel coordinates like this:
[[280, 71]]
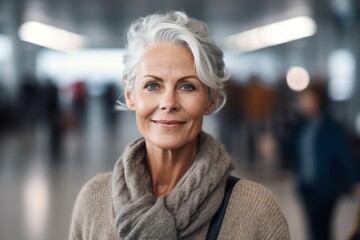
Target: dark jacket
[[336, 167]]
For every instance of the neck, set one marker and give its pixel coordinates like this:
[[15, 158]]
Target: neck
[[166, 167]]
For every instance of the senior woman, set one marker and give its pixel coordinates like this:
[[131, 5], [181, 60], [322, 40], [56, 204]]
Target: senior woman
[[170, 183]]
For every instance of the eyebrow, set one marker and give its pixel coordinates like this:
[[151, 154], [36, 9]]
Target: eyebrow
[[180, 79]]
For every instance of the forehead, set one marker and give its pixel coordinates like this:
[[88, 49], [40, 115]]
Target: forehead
[[161, 47], [168, 56]]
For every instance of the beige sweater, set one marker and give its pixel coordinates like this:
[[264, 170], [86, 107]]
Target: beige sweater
[[252, 213]]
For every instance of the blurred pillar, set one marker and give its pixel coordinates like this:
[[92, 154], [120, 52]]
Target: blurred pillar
[[10, 17], [348, 36], [337, 30], [356, 47], [22, 59]]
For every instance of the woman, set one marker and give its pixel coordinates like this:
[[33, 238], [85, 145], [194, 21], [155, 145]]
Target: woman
[[170, 183]]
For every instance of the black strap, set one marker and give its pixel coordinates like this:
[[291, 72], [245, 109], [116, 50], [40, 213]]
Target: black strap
[[216, 221]]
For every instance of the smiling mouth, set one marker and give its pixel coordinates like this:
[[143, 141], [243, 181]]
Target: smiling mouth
[[169, 123]]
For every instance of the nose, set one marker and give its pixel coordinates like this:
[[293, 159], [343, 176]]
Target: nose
[[169, 101]]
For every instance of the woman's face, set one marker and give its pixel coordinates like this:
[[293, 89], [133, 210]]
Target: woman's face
[[168, 98]]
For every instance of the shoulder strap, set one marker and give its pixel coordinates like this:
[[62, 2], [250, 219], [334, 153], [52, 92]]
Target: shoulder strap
[[216, 221]]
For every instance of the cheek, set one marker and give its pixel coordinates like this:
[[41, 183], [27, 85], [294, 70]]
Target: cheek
[[144, 104], [195, 108]]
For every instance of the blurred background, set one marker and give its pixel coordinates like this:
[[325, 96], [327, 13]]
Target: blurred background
[[60, 76]]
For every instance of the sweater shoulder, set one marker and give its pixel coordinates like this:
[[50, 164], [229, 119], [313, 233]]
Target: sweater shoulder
[[254, 197], [257, 197], [254, 213], [249, 190], [95, 193], [99, 182], [93, 203]]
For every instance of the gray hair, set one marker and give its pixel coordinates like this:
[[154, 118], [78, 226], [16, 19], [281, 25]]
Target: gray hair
[[177, 27]]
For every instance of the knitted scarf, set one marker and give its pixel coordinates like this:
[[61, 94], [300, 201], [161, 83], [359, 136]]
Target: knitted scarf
[[181, 213]]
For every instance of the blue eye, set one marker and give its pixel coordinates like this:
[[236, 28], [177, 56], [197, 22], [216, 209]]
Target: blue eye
[[152, 86], [187, 87]]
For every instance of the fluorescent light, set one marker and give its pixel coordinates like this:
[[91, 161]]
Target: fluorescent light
[[272, 34], [50, 37]]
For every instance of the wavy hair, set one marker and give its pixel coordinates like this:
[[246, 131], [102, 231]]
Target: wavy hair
[[176, 27]]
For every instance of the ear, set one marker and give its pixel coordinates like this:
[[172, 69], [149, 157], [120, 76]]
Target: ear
[[128, 97], [210, 108]]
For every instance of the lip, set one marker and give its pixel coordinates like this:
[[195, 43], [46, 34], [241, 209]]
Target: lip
[[169, 123]]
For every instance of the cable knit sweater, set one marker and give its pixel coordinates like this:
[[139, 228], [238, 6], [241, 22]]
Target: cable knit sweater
[[252, 212]]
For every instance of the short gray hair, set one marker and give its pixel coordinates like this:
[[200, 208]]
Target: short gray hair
[[176, 27]]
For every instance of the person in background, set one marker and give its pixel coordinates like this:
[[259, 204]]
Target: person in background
[[322, 158], [53, 119], [170, 183]]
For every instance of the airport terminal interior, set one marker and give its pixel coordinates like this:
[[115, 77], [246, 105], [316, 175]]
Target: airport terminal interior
[[61, 68]]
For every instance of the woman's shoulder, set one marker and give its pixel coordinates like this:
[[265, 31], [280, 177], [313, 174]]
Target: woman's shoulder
[[93, 208], [94, 197], [98, 182], [246, 187], [252, 194], [96, 189], [254, 211]]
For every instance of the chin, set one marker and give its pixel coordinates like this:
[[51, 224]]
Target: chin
[[168, 145], [169, 142]]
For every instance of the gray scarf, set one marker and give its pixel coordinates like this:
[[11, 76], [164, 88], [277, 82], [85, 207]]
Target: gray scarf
[[181, 213]]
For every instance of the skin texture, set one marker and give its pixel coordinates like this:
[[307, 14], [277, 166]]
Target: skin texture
[[169, 103]]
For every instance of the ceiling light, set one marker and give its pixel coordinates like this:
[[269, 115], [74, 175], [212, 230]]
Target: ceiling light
[[272, 34], [50, 37], [297, 78]]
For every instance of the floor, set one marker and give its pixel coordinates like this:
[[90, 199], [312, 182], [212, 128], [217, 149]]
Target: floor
[[37, 194]]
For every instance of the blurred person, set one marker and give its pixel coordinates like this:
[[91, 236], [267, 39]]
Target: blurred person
[[108, 98], [258, 102], [323, 160], [8, 111], [53, 118], [29, 100], [79, 98], [231, 118], [268, 149], [170, 183]]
